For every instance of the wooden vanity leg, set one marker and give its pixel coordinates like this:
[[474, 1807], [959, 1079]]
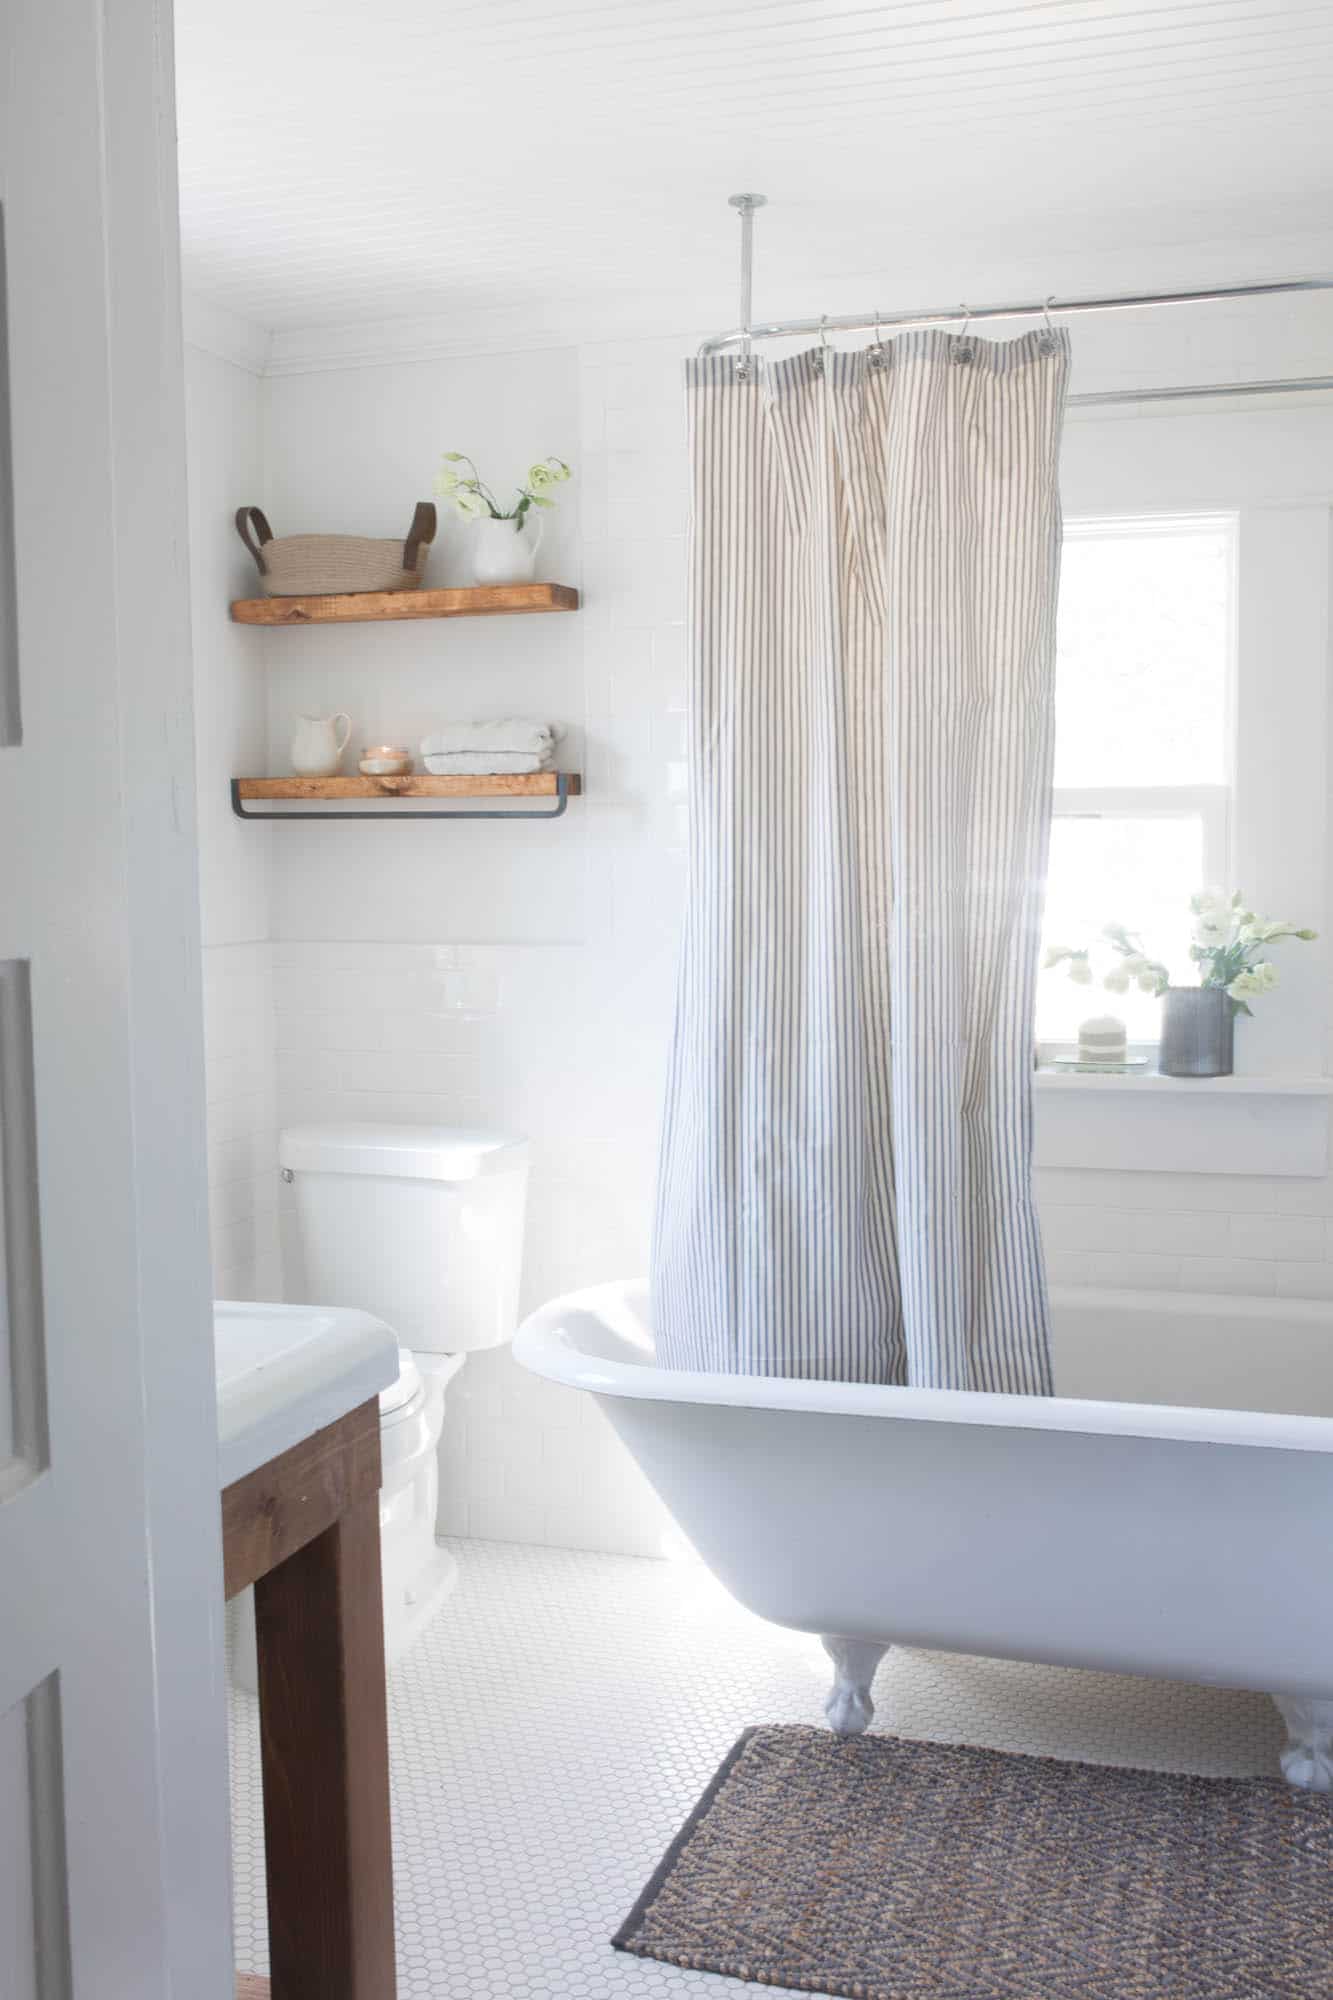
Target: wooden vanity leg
[[324, 1737]]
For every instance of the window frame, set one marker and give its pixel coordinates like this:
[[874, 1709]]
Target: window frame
[[1214, 805]]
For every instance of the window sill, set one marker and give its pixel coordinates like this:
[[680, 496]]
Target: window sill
[[1254, 1125], [1151, 1082]]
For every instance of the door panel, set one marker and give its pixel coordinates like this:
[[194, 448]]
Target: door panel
[[34, 1929], [23, 1441], [11, 726], [110, 1560]]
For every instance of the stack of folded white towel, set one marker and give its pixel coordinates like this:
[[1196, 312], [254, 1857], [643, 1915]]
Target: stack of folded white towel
[[514, 744]]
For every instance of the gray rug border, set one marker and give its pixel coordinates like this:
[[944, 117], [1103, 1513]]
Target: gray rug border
[[648, 1894]]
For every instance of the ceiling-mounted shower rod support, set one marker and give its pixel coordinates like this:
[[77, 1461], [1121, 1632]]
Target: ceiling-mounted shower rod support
[[746, 204]]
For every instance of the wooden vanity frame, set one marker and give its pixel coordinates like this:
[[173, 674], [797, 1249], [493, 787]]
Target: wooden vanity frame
[[304, 1530]]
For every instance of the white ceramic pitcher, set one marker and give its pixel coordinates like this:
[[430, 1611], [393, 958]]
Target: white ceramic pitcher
[[502, 553], [318, 742]]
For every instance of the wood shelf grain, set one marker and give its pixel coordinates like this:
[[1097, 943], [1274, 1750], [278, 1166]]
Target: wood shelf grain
[[395, 606], [506, 785]]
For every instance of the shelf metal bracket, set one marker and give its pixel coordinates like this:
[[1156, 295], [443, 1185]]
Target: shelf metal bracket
[[395, 812]]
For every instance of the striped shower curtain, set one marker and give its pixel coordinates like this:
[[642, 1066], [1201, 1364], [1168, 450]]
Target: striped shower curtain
[[844, 1186]]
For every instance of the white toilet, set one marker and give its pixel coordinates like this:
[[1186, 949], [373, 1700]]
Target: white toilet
[[421, 1225]]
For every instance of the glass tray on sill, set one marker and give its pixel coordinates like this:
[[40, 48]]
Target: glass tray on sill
[[1129, 1067]]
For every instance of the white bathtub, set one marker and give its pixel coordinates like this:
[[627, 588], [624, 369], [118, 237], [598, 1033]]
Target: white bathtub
[[1184, 1528]]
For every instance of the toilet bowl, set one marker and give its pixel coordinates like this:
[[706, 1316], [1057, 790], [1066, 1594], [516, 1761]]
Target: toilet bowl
[[418, 1572], [426, 1221]]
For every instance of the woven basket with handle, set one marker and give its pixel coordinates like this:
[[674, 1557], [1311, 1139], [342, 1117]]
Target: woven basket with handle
[[329, 565]]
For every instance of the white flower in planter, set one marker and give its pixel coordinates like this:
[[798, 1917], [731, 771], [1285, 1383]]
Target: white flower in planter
[[470, 496], [1213, 917], [1253, 981]]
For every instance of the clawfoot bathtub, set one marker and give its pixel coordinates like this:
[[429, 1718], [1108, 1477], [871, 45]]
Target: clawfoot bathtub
[[1148, 1536]]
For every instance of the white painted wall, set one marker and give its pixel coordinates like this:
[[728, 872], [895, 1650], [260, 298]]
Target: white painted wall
[[523, 975]]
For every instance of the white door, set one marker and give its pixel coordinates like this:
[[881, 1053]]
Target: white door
[[113, 1827]]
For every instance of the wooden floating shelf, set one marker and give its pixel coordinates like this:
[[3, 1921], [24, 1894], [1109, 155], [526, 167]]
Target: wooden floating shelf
[[524, 785], [391, 792], [394, 606]]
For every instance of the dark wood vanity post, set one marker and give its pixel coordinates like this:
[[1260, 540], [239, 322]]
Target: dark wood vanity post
[[304, 1529]]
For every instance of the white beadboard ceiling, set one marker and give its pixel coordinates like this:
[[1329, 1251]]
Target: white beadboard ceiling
[[344, 162]]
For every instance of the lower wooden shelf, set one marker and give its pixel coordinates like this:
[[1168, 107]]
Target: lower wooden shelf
[[560, 786]]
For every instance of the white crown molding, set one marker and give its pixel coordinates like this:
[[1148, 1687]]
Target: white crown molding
[[676, 317], [388, 343], [213, 330]]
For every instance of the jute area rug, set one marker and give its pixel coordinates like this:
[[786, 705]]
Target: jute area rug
[[889, 1870]]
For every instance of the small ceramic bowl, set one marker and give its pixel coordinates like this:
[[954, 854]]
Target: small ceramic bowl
[[384, 760]]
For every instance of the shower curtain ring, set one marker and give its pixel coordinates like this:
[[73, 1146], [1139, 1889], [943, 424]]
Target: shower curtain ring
[[820, 355], [1048, 331], [966, 349], [875, 358]]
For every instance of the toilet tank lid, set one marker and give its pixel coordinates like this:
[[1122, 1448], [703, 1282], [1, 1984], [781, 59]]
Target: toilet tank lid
[[403, 1152]]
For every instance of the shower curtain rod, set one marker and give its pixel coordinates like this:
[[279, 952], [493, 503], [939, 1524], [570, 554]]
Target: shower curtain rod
[[742, 336]]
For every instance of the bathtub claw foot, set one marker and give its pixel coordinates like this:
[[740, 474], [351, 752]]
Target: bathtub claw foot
[[849, 1707], [1307, 1760]]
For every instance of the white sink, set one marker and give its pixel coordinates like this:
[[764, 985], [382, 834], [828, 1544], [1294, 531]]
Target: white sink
[[284, 1372]]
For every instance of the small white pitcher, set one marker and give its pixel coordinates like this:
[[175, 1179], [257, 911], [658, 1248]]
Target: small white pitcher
[[318, 742], [502, 553]]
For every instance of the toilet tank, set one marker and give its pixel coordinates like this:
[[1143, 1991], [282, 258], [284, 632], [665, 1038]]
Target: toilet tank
[[425, 1221]]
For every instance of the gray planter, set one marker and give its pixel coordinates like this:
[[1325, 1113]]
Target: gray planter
[[1198, 1032]]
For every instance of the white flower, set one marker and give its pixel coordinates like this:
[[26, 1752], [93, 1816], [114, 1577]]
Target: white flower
[[471, 505], [1149, 980], [1134, 964], [1055, 953], [547, 472], [447, 484], [1253, 980], [1117, 979], [1080, 972]]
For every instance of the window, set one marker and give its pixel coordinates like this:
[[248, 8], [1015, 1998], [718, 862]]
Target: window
[[1143, 757]]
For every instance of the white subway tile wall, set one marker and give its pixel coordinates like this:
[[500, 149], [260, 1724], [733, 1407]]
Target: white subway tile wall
[[242, 1121], [424, 974]]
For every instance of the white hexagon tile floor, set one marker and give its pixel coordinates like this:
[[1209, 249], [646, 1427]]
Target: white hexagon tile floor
[[555, 1724]]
